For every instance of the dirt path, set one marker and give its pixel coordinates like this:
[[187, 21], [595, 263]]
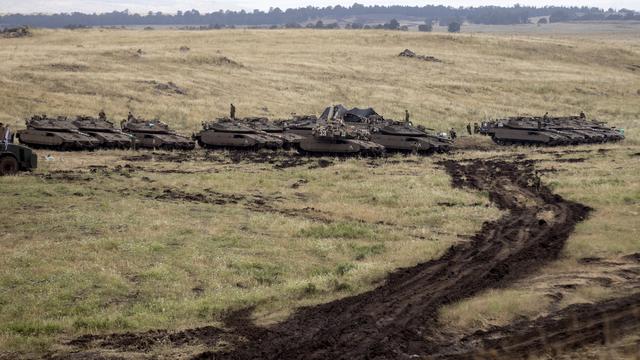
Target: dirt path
[[399, 319]]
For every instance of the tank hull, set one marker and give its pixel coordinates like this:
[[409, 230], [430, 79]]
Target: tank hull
[[57, 140], [112, 140], [162, 141], [218, 139], [313, 145]]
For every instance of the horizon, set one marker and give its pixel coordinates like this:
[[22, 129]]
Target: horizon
[[142, 7]]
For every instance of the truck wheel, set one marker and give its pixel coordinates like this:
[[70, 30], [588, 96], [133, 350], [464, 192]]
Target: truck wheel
[[8, 165]]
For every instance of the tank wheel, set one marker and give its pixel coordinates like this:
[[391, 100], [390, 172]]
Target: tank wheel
[[8, 165]]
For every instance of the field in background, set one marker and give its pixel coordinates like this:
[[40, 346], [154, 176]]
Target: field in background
[[97, 242], [275, 73]]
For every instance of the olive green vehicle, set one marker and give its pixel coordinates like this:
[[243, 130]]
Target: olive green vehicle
[[550, 131], [154, 134], [333, 137], [104, 131], [235, 134], [14, 158], [275, 129], [55, 133], [393, 135]]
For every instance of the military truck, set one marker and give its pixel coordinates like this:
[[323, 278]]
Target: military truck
[[104, 131], [55, 133], [155, 134], [233, 133], [14, 158]]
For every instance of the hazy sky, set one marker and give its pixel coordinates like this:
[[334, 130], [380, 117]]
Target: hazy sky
[[142, 6]]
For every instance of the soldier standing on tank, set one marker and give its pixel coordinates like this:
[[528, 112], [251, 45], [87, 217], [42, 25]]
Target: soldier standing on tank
[[232, 111], [102, 115], [582, 115], [469, 128], [452, 134], [406, 116], [130, 116]]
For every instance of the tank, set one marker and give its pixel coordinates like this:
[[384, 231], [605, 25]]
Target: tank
[[104, 131], [336, 138], [300, 125], [570, 130], [393, 135], [235, 134], [55, 133], [276, 129], [155, 134]]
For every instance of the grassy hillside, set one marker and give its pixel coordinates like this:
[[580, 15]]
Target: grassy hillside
[[275, 73], [102, 242]]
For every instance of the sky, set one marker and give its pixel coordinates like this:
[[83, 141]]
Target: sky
[[171, 6]]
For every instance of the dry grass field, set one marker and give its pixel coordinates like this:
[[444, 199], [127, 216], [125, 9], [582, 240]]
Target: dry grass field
[[101, 242]]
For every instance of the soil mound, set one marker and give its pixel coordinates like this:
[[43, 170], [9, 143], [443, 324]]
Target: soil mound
[[411, 54]]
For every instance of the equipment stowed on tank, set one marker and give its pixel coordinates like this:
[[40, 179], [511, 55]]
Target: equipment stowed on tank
[[395, 135], [234, 133], [333, 136], [105, 131], [155, 134], [571, 130], [275, 129], [55, 133]]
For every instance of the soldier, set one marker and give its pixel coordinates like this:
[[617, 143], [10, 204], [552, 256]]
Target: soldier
[[469, 128], [102, 115], [130, 116], [452, 134], [476, 128], [406, 116], [582, 115], [546, 116], [5, 133], [232, 112]]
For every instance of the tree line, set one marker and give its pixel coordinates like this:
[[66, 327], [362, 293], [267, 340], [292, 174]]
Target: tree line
[[275, 16]]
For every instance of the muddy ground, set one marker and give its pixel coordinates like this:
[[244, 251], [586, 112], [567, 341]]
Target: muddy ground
[[399, 319]]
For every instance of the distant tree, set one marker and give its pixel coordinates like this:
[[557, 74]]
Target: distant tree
[[454, 27], [559, 16], [292, 25], [394, 24], [404, 28], [319, 24], [332, 26], [543, 20], [357, 25]]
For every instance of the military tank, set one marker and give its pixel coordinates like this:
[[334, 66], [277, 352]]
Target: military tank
[[276, 129], [55, 133], [334, 137], [235, 134], [155, 134], [393, 135], [551, 131], [104, 131], [300, 125]]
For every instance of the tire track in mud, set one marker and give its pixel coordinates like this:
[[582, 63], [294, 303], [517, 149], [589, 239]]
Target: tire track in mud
[[399, 319], [563, 330]]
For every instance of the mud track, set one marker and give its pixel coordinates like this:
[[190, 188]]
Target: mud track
[[400, 318]]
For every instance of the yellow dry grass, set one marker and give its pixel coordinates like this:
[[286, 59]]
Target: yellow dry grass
[[103, 254]]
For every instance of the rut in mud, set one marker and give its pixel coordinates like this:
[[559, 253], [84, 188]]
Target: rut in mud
[[399, 319], [566, 329]]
